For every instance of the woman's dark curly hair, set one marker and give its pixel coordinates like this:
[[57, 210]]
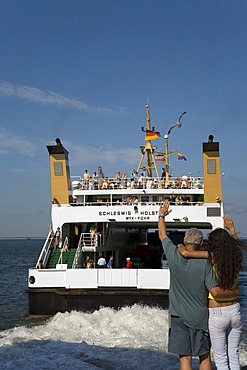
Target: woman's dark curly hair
[[225, 254]]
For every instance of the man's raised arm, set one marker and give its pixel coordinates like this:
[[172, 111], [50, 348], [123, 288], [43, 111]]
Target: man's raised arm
[[163, 211]]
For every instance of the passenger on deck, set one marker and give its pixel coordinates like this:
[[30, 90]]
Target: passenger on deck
[[124, 180], [132, 183], [198, 183], [112, 184], [141, 181], [96, 238], [178, 200], [149, 183], [110, 263], [100, 172], [40, 265], [199, 203], [65, 247], [105, 183], [57, 238], [118, 179], [101, 262], [99, 200], [129, 264], [177, 183], [86, 177], [90, 184], [184, 200], [95, 178], [134, 175], [92, 232], [163, 175], [86, 261], [191, 182], [90, 264], [155, 184], [172, 199], [184, 183]]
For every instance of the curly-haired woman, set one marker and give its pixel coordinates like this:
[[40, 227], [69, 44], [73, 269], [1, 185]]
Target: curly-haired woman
[[224, 253]]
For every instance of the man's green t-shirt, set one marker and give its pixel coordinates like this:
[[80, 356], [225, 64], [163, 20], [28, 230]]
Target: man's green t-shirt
[[190, 280]]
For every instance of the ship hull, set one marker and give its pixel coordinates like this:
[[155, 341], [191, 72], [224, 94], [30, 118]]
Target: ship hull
[[45, 301]]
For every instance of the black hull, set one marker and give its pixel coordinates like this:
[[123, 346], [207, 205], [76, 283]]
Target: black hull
[[50, 301]]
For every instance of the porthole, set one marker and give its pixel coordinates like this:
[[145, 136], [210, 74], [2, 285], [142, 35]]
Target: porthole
[[32, 280]]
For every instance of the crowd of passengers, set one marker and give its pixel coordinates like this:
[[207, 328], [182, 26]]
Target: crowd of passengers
[[135, 181]]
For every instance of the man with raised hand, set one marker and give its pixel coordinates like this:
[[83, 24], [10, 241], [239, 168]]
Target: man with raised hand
[[190, 281]]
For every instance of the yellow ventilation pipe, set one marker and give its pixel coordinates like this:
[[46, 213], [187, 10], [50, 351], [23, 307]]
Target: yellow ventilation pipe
[[211, 171], [61, 192]]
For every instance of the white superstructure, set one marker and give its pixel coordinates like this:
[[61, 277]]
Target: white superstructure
[[118, 217]]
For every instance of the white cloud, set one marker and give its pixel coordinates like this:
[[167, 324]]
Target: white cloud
[[10, 143], [51, 98], [18, 170], [104, 154]]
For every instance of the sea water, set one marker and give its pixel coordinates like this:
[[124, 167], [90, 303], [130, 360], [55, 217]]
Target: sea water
[[130, 338]]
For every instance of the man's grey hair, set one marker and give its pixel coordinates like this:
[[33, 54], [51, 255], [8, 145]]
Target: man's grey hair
[[193, 236]]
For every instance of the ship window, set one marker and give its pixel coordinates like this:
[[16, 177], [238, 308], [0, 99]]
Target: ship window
[[58, 168], [214, 212], [144, 199], [117, 200], [211, 166]]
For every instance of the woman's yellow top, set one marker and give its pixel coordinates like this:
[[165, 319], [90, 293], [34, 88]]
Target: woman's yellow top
[[229, 299]]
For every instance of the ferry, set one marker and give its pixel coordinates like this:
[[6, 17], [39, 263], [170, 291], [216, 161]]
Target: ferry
[[117, 218]]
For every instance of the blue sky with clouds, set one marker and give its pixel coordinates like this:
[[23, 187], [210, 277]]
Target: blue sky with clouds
[[83, 70]]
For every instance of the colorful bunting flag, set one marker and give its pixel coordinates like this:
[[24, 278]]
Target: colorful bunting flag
[[181, 156]]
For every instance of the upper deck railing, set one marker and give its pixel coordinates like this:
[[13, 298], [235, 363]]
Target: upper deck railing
[[184, 182]]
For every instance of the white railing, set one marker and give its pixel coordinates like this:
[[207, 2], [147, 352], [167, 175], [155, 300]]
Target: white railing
[[100, 278], [89, 242], [65, 247], [175, 202], [77, 256], [45, 252], [184, 182]]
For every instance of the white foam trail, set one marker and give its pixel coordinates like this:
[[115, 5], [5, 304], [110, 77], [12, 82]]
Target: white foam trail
[[131, 338]]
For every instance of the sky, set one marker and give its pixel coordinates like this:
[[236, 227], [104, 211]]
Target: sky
[[83, 71]]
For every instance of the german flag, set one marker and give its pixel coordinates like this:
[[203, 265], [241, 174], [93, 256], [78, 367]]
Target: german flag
[[152, 135]]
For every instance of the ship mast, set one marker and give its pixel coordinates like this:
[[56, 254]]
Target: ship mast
[[148, 151]]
